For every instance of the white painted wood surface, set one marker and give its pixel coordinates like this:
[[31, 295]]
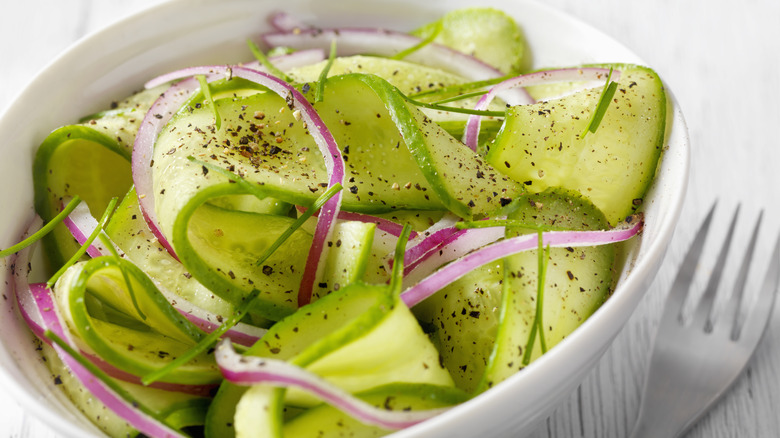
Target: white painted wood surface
[[721, 60]]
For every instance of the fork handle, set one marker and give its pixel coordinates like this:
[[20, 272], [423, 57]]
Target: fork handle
[[647, 427], [662, 418]]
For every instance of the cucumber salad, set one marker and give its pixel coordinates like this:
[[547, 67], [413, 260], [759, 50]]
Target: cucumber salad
[[344, 234]]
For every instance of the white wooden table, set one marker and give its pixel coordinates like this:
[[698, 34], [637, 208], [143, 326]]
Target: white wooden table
[[722, 61]]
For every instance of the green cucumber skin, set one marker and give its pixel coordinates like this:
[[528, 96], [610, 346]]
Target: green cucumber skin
[[578, 281], [126, 348], [467, 185], [60, 244], [540, 145], [112, 131]]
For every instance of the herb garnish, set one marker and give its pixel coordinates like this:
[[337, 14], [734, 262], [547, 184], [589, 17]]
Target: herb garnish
[[44, 230], [538, 325], [320, 90], [260, 56], [83, 249], [452, 109], [606, 96], [110, 246], [206, 89], [406, 52]]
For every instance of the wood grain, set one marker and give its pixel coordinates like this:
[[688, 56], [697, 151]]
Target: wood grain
[[722, 62]]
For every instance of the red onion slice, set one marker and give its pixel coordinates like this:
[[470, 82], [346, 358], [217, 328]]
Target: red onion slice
[[242, 333], [457, 244], [251, 370], [471, 133], [81, 225], [296, 59], [453, 271], [429, 239], [439, 244], [143, 150]]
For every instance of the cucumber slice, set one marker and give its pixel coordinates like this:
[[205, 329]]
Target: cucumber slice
[[164, 333], [408, 77], [540, 144], [349, 249], [101, 416], [289, 338], [578, 281], [487, 34], [358, 337], [464, 183], [224, 256], [381, 176], [91, 160], [129, 231], [76, 160], [326, 421], [257, 413], [283, 158], [179, 409], [434, 171], [187, 414], [464, 320], [395, 349]]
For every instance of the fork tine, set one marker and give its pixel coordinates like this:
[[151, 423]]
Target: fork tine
[[702, 316], [735, 302], [758, 318], [682, 282]]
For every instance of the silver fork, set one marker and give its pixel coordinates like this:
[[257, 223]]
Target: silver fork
[[692, 365]]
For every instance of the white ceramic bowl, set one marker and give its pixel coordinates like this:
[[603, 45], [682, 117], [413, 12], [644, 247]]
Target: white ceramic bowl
[[112, 63]]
